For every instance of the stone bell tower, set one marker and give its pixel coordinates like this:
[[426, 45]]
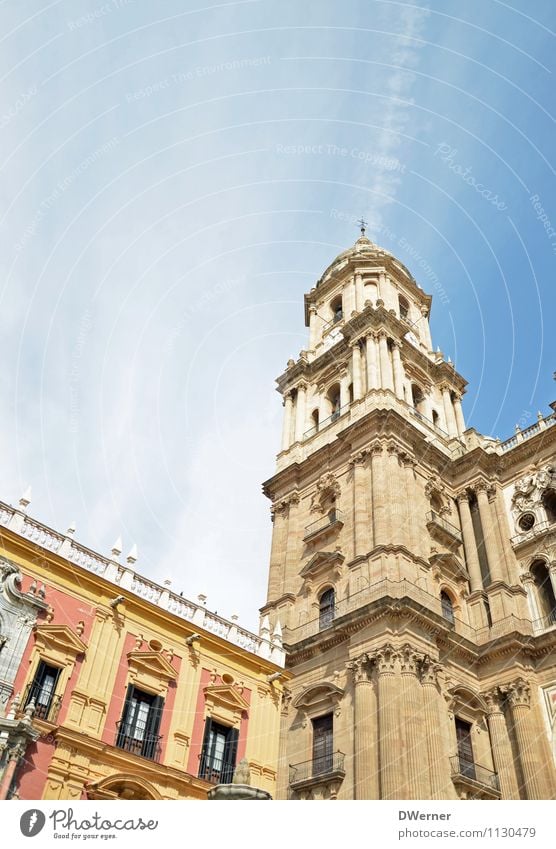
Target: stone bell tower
[[393, 570]]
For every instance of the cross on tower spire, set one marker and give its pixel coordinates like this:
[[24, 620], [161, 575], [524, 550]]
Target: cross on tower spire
[[363, 224]]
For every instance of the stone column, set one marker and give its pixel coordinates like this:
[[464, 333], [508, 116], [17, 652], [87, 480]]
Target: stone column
[[344, 389], [411, 499], [502, 519], [390, 754], [373, 381], [313, 335], [365, 731], [529, 583], [283, 777], [287, 425], [438, 760], [356, 370], [379, 511], [324, 412], [489, 536], [469, 542], [276, 574], [398, 371], [300, 412], [417, 782], [391, 494], [460, 422], [386, 377], [349, 298], [451, 426], [501, 746], [552, 575], [14, 756], [292, 543], [519, 699], [360, 511], [358, 291]]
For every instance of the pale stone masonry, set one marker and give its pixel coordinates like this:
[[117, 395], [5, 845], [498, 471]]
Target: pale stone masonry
[[413, 562]]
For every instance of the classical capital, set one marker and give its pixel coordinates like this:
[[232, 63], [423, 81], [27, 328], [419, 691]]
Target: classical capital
[[360, 668], [518, 693], [494, 699], [462, 495], [359, 458], [386, 659], [409, 660]]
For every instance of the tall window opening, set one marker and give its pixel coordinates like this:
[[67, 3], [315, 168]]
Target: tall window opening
[[327, 603], [447, 607], [404, 308], [465, 748], [549, 503], [139, 726], [336, 308], [545, 591], [315, 419], [334, 399], [323, 743], [42, 691], [219, 753]]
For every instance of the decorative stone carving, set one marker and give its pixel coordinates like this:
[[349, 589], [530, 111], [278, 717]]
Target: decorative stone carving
[[326, 494], [518, 693], [528, 493]]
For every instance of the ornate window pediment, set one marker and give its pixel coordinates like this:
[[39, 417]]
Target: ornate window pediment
[[225, 704], [323, 561], [446, 563], [150, 670], [59, 643], [319, 698]]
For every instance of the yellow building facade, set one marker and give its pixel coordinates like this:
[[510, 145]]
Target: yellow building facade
[[122, 688]]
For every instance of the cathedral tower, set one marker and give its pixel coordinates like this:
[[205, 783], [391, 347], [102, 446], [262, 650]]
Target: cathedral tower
[[413, 581]]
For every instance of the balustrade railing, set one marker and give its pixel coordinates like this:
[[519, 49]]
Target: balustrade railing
[[324, 522], [465, 768]]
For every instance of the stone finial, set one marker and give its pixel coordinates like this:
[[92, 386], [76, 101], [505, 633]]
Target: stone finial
[[33, 587], [132, 556], [242, 773], [277, 634], [117, 548], [265, 629], [14, 707], [71, 530], [42, 591], [30, 710], [25, 499], [202, 599]]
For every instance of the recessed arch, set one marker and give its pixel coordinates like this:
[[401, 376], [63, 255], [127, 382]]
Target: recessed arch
[[122, 786]]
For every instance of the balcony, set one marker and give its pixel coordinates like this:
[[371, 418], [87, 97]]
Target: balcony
[[334, 520], [145, 746], [47, 706], [443, 530], [326, 422], [538, 529], [473, 781], [328, 769], [215, 771]]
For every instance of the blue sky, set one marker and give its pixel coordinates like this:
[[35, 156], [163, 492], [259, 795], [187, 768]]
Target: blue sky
[[176, 175]]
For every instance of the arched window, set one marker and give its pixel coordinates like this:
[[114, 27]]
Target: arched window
[[435, 419], [545, 592], [436, 503], [334, 398], [418, 398], [315, 419], [336, 308], [447, 607], [404, 308], [549, 504], [326, 608]]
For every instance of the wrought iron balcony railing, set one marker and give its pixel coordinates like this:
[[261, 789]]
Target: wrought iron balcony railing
[[317, 768], [324, 522], [326, 422], [463, 768], [147, 746], [47, 705], [214, 770]]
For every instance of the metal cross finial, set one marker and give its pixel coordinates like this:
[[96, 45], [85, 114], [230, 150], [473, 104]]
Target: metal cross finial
[[362, 223]]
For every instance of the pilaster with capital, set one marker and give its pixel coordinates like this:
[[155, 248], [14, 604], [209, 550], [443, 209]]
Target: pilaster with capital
[[365, 729], [398, 370], [386, 376], [287, 424], [435, 720], [380, 515], [373, 381], [489, 535], [501, 746], [300, 413], [361, 542], [518, 696], [390, 745], [469, 542], [417, 780], [449, 415], [356, 371]]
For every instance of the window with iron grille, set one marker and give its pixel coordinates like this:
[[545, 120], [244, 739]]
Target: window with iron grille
[[42, 689], [322, 744], [140, 723], [219, 753]]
